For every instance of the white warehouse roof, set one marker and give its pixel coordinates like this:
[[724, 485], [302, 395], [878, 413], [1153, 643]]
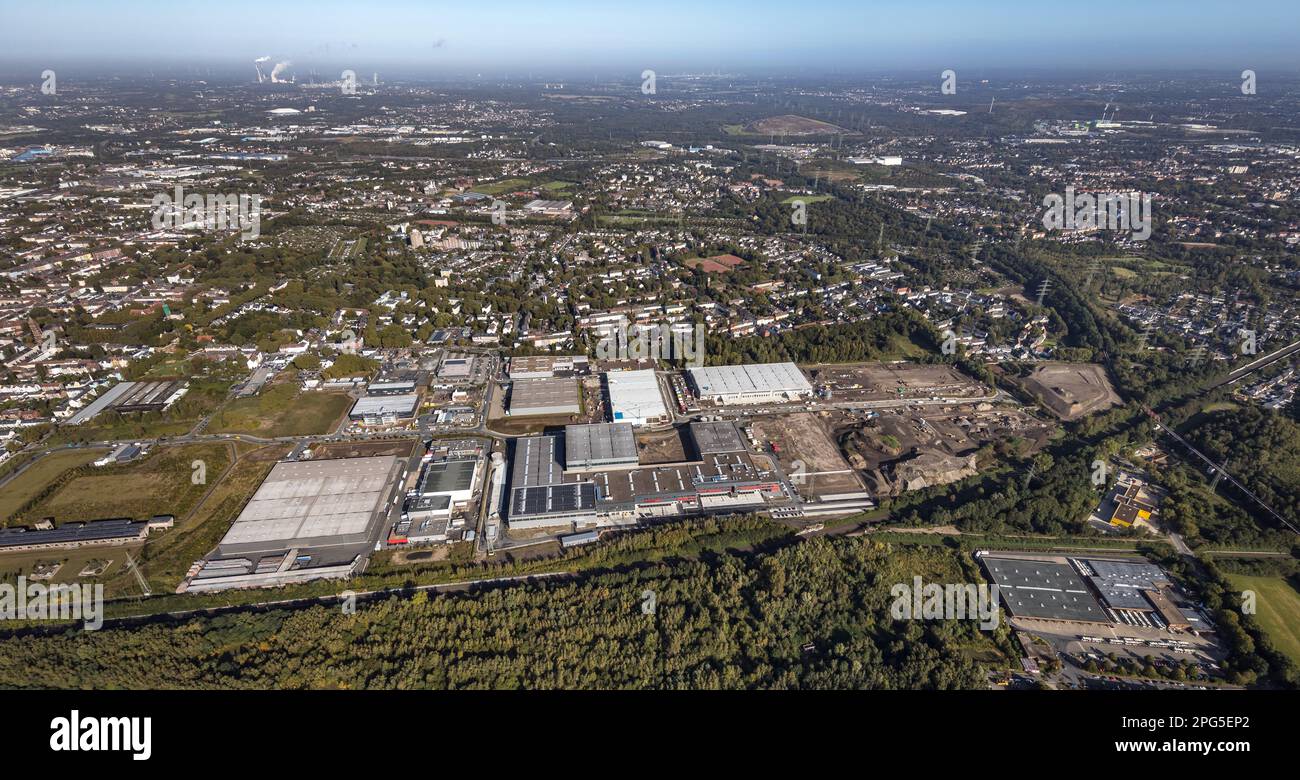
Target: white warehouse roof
[[741, 381], [634, 396]]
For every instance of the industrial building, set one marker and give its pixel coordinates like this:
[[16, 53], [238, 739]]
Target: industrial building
[[712, 438], [1136, 593], [538, 496], [600, 446], [456, 368], [753, 384], [545, 366], [133, 397], [72, 535], [397, 387], [384, 409], [1112, 591], [538, 397], [308, 520], [601, 484], [634, 397], [452, 478], [1044, 589]]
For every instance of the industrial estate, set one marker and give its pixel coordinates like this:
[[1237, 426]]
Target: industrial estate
[[507, 373]]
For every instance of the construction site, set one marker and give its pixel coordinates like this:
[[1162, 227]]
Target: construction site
[[1071, 390], [803, 445], [870, 382], [897, 452]]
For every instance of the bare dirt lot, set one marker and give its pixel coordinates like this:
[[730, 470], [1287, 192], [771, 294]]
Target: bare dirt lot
[[362, 449], [895, 381], [903, 451], [1071, 390], [793, 125], [662, 447], [805, 444]]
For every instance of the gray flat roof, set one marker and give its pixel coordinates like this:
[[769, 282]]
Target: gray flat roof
[[536, 462], [1043, 589], [401, 405], [714, 437], [448, 476], [96, 530], [532, 395], [740, 380], [306, 503], [599, 443], [101, 403]]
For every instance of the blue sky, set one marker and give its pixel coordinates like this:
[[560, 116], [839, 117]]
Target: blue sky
[[670, 35]]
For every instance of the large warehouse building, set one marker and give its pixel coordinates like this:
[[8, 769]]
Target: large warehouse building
[[596, 447], [634, 397], [133, 397], [754, 384], [538, 397], [308, 520], [601, 483]]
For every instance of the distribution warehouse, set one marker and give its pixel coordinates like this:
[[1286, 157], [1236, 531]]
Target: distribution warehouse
[[601, 483], [308, 520], [634, 397], [549, 396], [755, 384]]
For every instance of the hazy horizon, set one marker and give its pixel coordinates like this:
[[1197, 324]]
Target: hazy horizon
[[581, 37]]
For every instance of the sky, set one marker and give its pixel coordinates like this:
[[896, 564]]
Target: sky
[[557, 36]]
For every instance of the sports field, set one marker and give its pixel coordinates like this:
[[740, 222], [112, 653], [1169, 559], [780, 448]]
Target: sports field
[[1278, 606]]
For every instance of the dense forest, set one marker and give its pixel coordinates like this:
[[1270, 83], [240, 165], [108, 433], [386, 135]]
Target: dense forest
[[875, 339], [1259, 447], [811, 615]]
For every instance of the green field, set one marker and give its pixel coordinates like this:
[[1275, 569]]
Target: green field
[[1278, 613], [162, 483], [282, 410], [167, 556], [27, 485], [503, 186], [117, 580]]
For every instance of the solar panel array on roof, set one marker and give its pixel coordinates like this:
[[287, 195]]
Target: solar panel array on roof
[[98, 530], [552, 500]]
